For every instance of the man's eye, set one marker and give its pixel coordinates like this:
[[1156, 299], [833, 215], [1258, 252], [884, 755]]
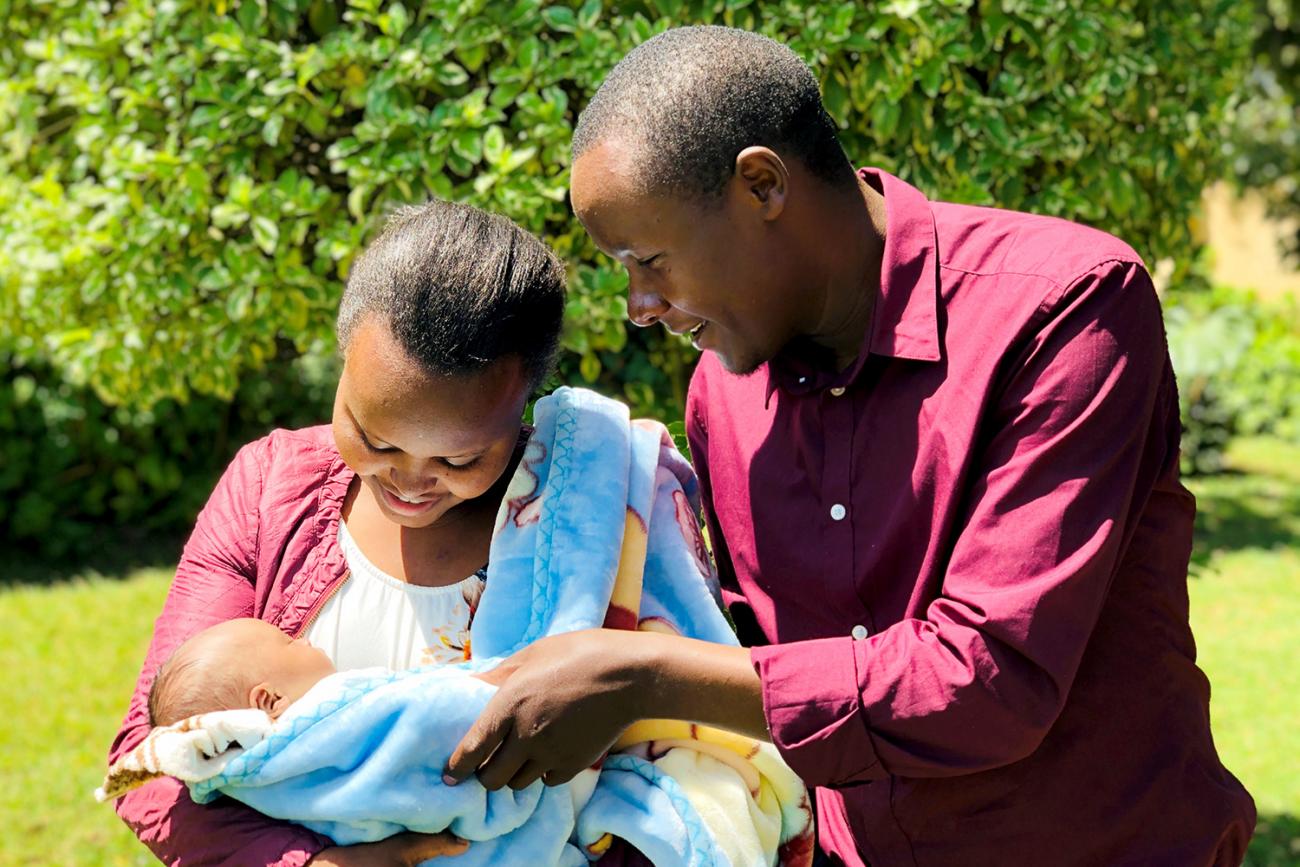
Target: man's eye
[[646, 262]]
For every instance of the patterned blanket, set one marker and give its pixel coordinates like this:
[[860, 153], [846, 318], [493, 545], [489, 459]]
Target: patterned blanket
[[598, 528]]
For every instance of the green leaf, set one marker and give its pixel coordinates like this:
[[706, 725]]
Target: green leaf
[[516, 159], [589, 367], [271, 129], [357, 202], [280, 87], [228, 214], [589, 14], [468, 144], [266, 234], [494, 144], [452, 74], [560, 18], [239, 301]]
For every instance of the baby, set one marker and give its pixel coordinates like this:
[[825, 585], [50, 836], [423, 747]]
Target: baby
[[241, 663]]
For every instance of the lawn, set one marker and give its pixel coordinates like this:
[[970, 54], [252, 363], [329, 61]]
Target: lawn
[[72, 651]]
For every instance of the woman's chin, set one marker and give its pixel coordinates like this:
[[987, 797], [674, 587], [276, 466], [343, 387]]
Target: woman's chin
[[424, 519]]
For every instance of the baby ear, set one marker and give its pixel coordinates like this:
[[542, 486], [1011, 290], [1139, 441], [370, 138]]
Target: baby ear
[[264, 697]]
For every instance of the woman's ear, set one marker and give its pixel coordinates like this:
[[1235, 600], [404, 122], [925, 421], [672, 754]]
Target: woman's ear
[[763, 179]]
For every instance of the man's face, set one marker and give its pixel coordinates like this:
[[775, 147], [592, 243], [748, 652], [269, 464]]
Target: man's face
[[718, 270]]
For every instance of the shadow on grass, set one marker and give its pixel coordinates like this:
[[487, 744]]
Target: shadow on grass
[[1237, 511], [108, 552], [1276, 842]]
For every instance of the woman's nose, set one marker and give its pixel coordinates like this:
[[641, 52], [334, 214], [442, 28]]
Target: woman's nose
[[644, 307], [417, 477]]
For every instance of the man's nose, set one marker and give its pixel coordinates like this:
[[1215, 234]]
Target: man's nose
[[644, 307]]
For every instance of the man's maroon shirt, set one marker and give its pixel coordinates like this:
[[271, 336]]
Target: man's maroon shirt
[[964, 558]]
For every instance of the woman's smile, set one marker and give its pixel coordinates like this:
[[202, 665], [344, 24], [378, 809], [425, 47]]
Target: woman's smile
[[408, 507]]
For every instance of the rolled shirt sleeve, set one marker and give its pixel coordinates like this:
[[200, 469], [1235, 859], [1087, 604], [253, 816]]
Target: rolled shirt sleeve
[[1070, 457]]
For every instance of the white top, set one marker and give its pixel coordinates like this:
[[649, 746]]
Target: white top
[[375, 619]]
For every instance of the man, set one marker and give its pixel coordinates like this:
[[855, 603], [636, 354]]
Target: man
[[939, 451]]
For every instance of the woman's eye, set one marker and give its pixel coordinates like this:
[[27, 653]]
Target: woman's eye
[[648, 261], [374, 448], [461, 463]]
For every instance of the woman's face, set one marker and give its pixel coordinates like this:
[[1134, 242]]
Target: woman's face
[[423, 444]]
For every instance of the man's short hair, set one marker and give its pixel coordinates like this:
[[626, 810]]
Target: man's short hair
[[459, 288], [693, 98]]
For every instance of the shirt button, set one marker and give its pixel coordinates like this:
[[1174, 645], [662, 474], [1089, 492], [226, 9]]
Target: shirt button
[[838, 512], [859, 632], [837, 391]]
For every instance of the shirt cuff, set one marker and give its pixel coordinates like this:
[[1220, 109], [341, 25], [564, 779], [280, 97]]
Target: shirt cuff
[[814, 711]]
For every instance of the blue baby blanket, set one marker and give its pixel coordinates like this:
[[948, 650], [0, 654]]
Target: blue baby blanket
[[598, 527]]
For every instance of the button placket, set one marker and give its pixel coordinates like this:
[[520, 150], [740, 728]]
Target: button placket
[[837, 490]]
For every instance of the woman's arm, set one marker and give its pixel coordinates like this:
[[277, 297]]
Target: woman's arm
[[400, 850], [214, 582]]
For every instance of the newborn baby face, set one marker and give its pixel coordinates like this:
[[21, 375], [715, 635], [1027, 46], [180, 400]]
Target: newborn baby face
[[280, 669]]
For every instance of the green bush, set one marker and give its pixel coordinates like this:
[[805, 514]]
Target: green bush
[[183, 184], [1238, 365], [1265, 140], [76, 472]]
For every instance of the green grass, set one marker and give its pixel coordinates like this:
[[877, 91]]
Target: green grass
[[70, 656], [1245, 593], [72, 650]]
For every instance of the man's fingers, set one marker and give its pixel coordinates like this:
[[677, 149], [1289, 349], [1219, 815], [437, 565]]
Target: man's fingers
[[559, 776], [482, 738], [530, 773], [503, 765]]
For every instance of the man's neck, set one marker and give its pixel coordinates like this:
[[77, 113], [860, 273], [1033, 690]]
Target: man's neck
[[852, 240]]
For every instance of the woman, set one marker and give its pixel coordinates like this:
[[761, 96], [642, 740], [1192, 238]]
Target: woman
[[368, 537]]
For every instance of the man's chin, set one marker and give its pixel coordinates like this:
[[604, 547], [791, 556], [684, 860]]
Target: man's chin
[[744, 366]]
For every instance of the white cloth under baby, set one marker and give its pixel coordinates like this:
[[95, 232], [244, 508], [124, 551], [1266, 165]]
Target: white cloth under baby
[[375, 619]]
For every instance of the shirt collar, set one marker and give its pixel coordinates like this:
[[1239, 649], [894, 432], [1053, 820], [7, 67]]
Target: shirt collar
[[904, 321]]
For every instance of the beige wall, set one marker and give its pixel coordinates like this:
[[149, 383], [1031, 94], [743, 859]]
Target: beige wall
[[1244, 244]]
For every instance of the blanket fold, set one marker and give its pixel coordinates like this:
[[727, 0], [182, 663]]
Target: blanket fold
[[598, 528]]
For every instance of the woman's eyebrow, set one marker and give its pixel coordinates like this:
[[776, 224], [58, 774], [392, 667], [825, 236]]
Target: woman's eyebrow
[[360, 427], [477, 451]]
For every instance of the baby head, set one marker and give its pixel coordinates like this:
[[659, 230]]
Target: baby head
[[239, 663]]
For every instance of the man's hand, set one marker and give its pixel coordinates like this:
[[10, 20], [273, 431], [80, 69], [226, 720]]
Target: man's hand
[[400, 850], [560, 703]]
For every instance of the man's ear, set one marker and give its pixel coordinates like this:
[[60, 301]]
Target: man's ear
[[264, 697], [764, 180]]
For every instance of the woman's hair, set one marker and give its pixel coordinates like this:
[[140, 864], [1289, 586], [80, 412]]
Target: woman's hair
[[459, 288], [190, 683]]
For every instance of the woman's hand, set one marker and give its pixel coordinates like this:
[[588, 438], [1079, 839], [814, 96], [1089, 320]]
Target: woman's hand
[[560, 703], [400, 850]]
